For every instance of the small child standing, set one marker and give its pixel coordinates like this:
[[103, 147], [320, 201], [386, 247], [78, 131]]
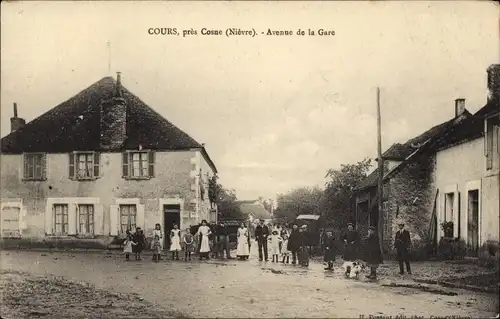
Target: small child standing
[[275, 240], [156, 248], [175, 246], [284, 248], [127, 245], [329, 247], [188, 244]]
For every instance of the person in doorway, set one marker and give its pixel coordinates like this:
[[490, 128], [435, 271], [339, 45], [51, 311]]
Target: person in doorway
[[140, 243], [175, 242], [261, 234], [275, 241], [294, 243], [188, 240], [243, 249], [351, 242], [402, 243], [329, 249], [371, 252], [203, 233], [157, 232]]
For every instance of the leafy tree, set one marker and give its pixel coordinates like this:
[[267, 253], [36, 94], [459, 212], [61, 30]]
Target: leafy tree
[[299, 201], [225, 199], [336, 203]]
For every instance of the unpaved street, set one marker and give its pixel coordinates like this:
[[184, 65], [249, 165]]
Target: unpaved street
[[246, 289]]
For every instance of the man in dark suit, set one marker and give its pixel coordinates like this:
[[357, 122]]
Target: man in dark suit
[[261, 234], [402, 243]]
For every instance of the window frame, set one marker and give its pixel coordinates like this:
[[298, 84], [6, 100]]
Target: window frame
[[94, 166], [89, 220], [43, 165], [65, 225], [133, 226], [128, 164]]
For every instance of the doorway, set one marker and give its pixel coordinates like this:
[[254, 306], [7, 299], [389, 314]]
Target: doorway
[[171, 216], [473, 223]]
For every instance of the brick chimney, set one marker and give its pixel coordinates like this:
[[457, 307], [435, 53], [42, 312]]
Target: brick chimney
[[114, 119], [493, 82], [459, 107], [16, 122]]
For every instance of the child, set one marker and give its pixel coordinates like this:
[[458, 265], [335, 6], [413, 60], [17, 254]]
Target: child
[[188, 244], [140, 241], [372, 253], [175, 239], [275, 240], [127, 245], [157, 232], [329, 247], [156, 248], [284, 248]]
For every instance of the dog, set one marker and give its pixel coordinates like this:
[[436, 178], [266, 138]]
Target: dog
[[353, 269]]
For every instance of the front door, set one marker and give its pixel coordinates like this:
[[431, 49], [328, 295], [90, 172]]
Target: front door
[[473, 223], [171, 216]]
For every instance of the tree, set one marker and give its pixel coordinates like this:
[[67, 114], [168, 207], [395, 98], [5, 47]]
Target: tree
[[339, 189], [303, 200], [225, 199]]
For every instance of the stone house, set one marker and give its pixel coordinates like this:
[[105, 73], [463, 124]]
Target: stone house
[[413, 174], [96, 165]]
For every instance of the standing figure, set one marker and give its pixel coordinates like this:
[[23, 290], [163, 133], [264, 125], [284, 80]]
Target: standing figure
[[284, 250], [188, 240], [294, 243], [261, 234], [329, 249], [157, 232], [303, 252], [156, 245], [402, 243], [203, 232], [175, 242], [243, 249], [140, 243], [351, 242], [128, 244], [275, 241], [224, 241], [372, 254]]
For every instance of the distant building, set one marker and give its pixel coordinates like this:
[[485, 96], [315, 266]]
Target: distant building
[[254, 209], [98, 164]]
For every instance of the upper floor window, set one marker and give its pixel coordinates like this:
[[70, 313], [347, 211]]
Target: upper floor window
[[492, 132], [84, 165], [138, 165], [34, 166]]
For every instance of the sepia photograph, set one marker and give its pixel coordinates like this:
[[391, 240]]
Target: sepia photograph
[[250, 159]]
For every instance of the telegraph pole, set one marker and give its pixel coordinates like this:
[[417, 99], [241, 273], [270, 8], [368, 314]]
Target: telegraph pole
[[380, 190]]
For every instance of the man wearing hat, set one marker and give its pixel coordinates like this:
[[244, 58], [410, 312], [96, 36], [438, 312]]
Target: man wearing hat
[[372, 254], [351, 242], [261, 234], [402, 243]]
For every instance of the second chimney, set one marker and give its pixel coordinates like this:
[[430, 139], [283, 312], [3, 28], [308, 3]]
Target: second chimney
[[16, 122], [459, 107], [493, 82]]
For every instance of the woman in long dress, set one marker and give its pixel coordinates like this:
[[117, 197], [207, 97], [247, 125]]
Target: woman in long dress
[[157, 232], [175, 246], [204, 232], [243, 250]]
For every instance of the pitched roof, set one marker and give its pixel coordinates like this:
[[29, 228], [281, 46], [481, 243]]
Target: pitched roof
[[256, 209], [74, 125], [491, 108]]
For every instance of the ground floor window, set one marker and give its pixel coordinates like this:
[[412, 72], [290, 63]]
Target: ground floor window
[[86, 219], [61, 219], [128, 217]]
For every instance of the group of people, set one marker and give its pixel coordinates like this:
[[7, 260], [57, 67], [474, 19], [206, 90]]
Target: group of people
[[282, 241]]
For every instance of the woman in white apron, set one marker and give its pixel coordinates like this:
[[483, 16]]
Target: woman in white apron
[[175, 246], [157, 232], [243, 251], [204, 232]]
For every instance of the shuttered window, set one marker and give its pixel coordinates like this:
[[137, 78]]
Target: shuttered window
[[138, 165], [84, 165], [34, 166]]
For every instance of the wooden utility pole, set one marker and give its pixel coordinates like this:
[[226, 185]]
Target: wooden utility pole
[[380, 188]]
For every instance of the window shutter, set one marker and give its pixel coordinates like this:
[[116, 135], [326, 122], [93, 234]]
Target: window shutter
[[25, 171], [98, 220], [49, 215], [140, 216], [97, 163], [22, 218], [72, 165], [72, 218], [125, 170], [113, 220], [44, 166], [151, 155]]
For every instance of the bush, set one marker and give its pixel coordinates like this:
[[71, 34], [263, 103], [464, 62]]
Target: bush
[[451, 248]]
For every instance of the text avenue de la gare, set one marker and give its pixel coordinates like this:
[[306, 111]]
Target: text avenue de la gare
[[229, 32]]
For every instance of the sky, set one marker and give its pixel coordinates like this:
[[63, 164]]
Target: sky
[[275, 113]]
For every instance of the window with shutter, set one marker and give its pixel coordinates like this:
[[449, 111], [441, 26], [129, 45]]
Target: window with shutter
[[138, 165], [84, 165], [34, 166]]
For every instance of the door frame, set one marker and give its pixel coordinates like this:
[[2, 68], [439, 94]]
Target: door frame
[[171, 201], [470, 186]]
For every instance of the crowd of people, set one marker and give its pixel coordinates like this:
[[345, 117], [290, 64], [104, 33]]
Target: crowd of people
[[280, 243]]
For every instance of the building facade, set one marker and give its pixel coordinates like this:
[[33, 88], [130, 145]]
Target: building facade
[[99, 164]]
